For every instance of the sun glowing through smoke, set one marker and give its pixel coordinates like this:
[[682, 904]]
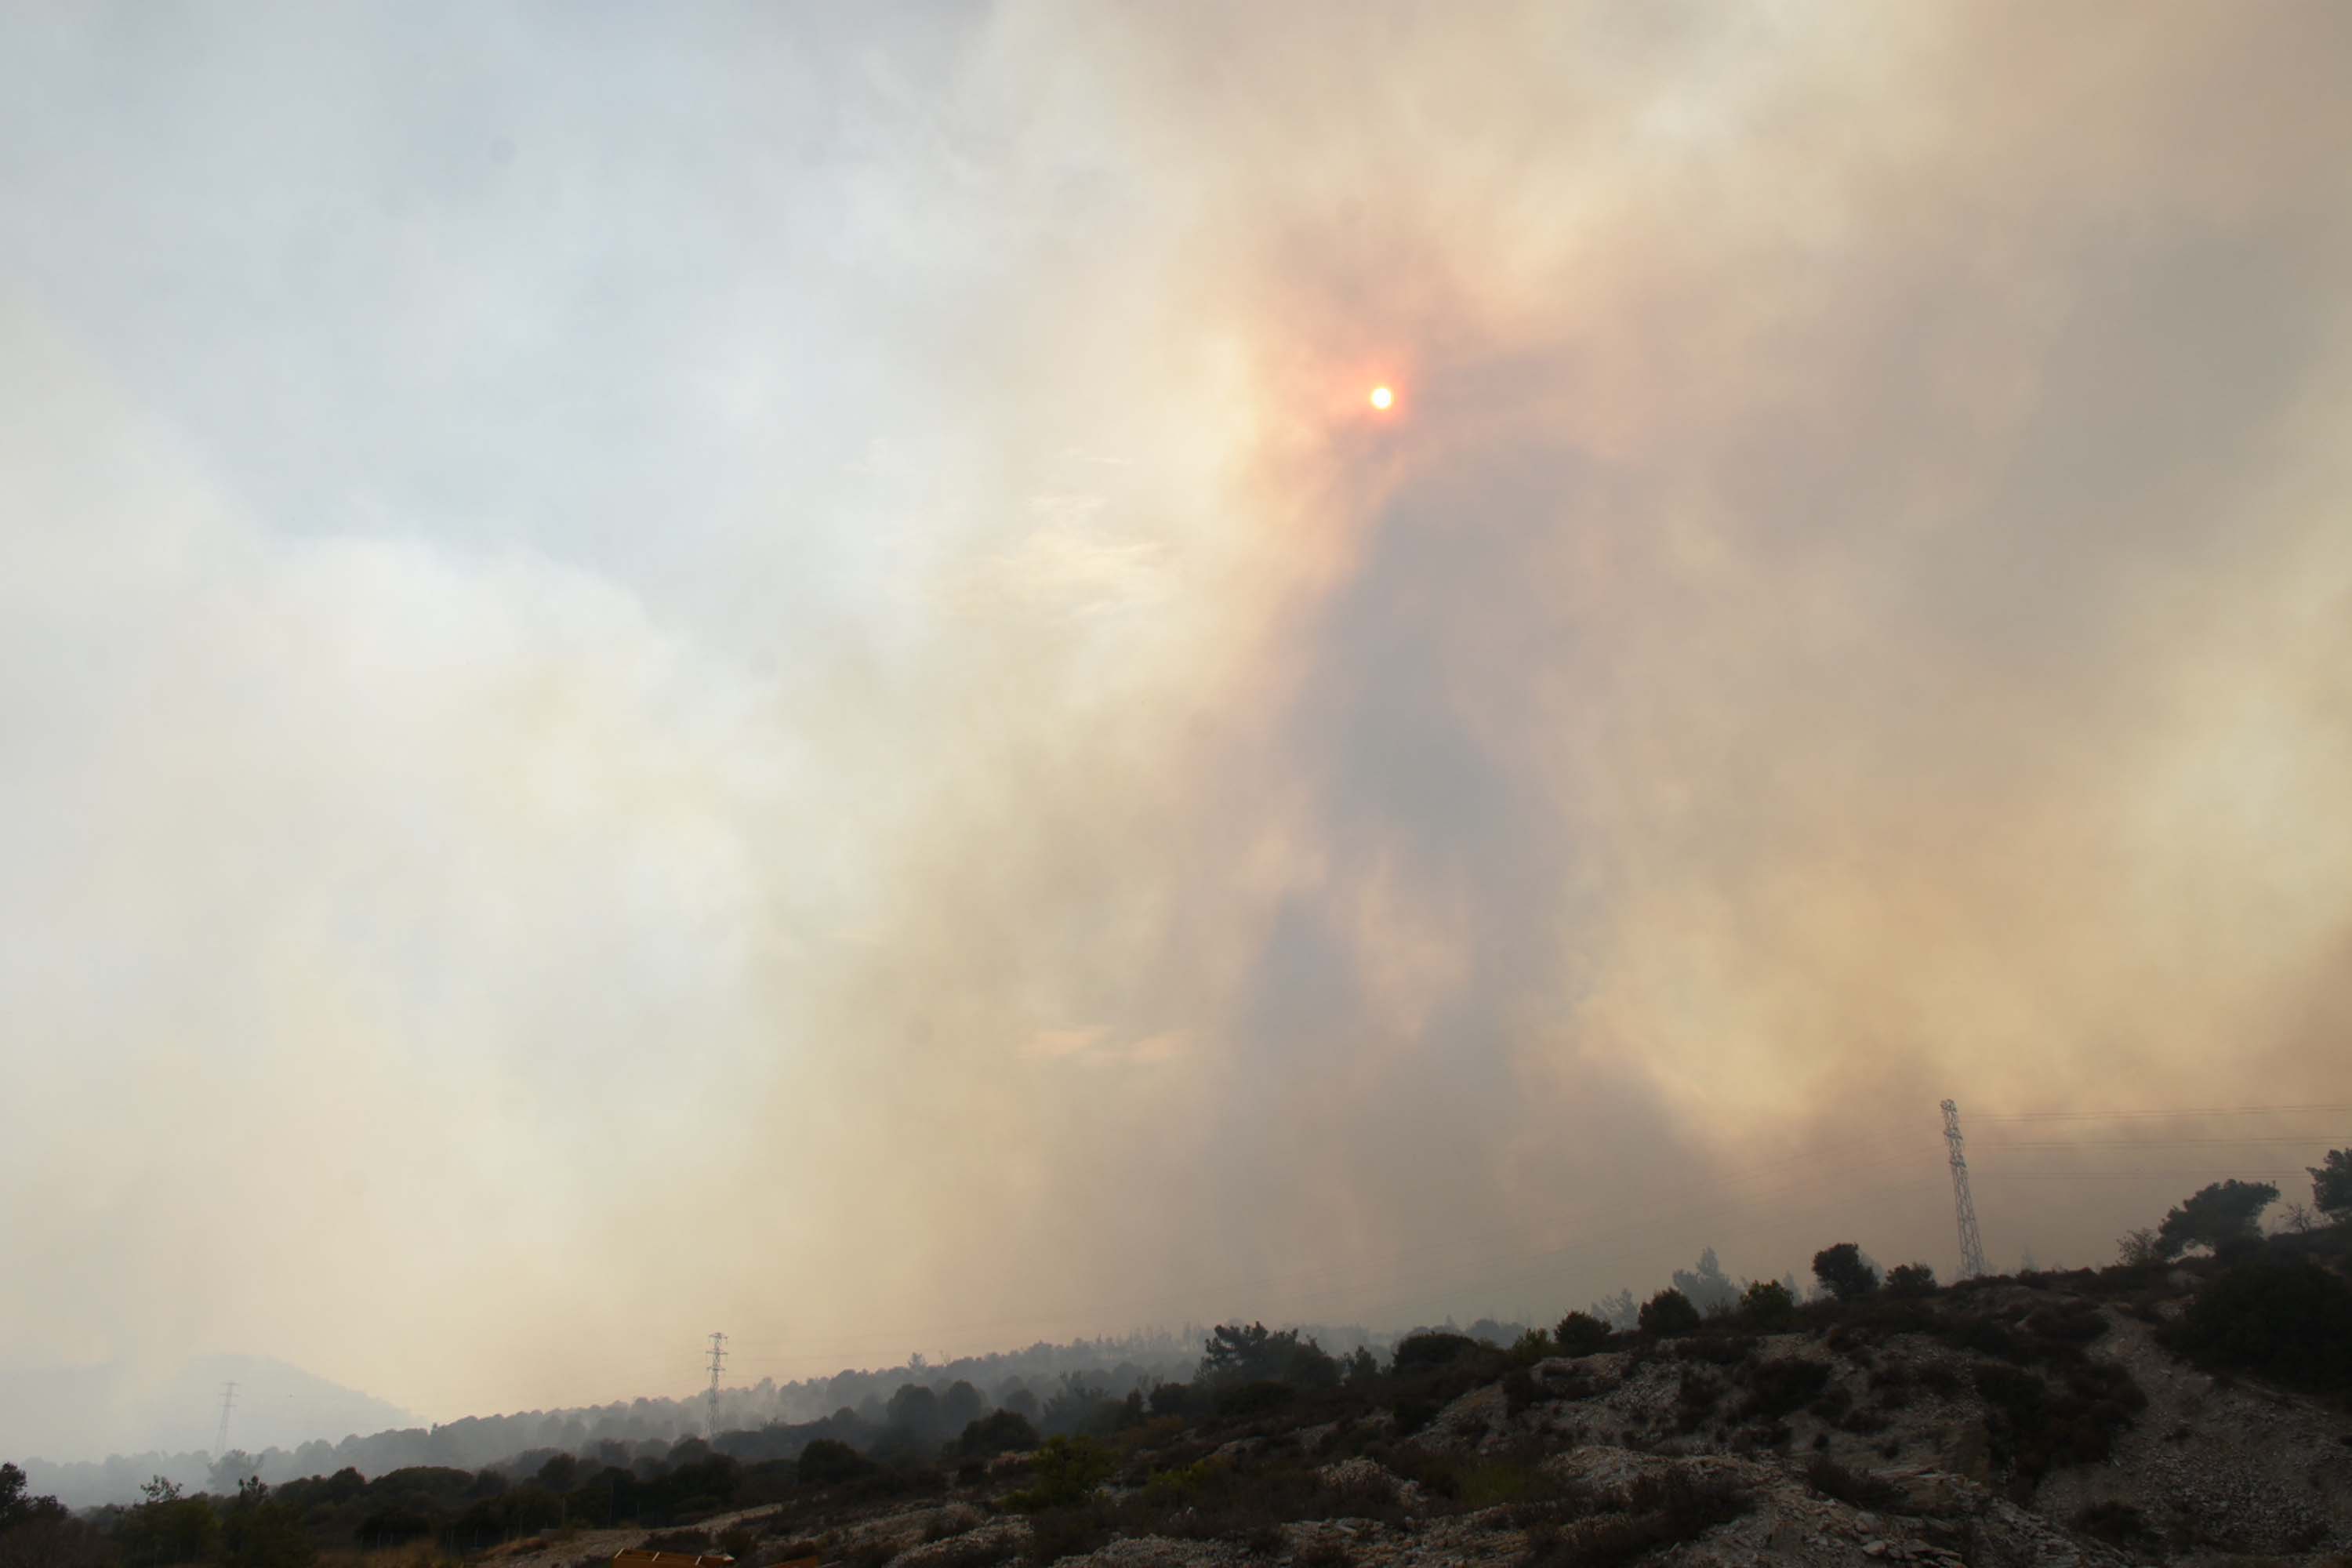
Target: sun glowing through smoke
[[1382, 397]]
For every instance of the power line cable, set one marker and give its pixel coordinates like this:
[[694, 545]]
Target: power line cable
[[2132, 1115], [2315, 1138], [2127, 1175]]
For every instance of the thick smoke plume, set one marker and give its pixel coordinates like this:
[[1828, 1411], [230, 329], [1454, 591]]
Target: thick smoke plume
[[1007, 802]]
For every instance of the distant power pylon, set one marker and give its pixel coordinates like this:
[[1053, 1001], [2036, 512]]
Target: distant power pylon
[[220, 1433], [1972, 1261], [718, 1360]]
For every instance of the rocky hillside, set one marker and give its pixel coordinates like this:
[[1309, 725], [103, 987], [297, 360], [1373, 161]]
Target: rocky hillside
[[2043, 1421]]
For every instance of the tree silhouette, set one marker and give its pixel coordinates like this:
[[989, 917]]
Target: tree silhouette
[[2331, 1185], [1709, 1288], [1845, 1273], [2221, 1216]]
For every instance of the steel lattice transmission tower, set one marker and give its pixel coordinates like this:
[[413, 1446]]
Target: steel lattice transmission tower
[[220, 1434], [1972, 1261], [718, 1360]]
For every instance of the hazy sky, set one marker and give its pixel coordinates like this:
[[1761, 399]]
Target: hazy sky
[[670, 669]]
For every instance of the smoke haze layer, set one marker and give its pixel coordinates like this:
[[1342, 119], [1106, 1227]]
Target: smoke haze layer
[[762, 673]]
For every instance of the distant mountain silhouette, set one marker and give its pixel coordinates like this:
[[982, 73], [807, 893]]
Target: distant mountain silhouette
[[84, 1413]]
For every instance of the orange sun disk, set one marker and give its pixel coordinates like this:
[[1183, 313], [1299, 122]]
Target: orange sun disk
[[1382, 397]]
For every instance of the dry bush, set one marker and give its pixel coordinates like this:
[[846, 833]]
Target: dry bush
[[1716, 1348], [2036, 1429], [2117, 1524], [1776, 1388], [971, 1554], [1937, 1378], [1695, 1399], [1323, 1554], [1859, 1488], [1656, 1511]]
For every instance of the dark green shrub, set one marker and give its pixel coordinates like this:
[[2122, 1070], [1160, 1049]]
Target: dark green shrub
[[998, 1432], [1861, 1489], [1696, 1400], [2331, 1185], [1065, 1471], [1255, 1398], [1173, 1399], [1768, 1304], [2065, 1323], [2118, 1524], [392, 1525], [1419, 1352], [1776, 1388], [2286, 1319], [1911, 1280], [1985, 1335], [1255, 1353], [1581, 1333], [258, 1533], [1414, 1412], [1667, 1313], [968, 1553], [829, 1459], [171, 1527], [1715, 1348], [1241, 1498], [1937, 1378], [1656, 1511], [2035, 1430], [1073, 1531], [1843, 1271], [58, 1540]]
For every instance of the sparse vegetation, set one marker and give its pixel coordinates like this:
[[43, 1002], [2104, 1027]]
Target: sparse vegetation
[[1655, 1512], [2036, 1427], [1226, 1456]]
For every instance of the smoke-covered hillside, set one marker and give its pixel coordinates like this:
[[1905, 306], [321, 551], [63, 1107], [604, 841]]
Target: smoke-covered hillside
[[1025, 1378]]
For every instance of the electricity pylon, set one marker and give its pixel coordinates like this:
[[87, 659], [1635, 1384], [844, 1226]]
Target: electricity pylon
[[220, 1434], [718, 1360], [1972, 1261]]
